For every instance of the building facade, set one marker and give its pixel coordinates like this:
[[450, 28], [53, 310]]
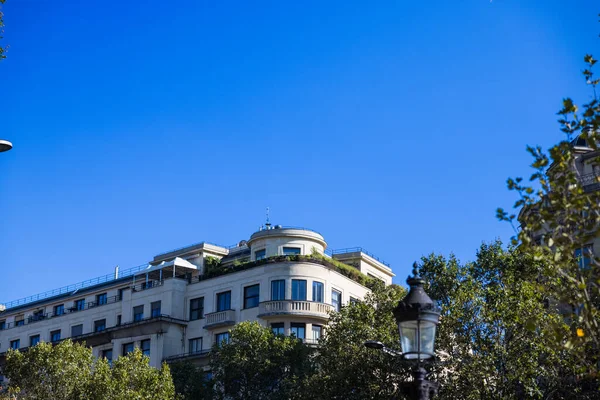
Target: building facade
[[184, 301]]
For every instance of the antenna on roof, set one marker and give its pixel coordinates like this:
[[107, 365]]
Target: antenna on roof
[[268, 224]]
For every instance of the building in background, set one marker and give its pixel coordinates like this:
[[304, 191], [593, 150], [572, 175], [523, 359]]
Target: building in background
[[183, 301]]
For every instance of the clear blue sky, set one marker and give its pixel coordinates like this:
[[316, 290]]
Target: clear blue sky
[[140, 126]]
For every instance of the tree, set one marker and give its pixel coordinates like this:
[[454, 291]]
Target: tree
[[2, 49], [68, 371], [256, 364], [497, 333], [559, 218], [495, 339], [191, 382], [347, 369]]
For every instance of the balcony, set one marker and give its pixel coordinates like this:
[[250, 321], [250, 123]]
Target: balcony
[[294, 307], [219, 318], [590, 182]]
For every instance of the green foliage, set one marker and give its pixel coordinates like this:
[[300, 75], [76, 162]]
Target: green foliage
[[497, 335], [190, 381], [347, 369], [2, 49], [558, 217], [256, 364], [213, 266], [68, 371]]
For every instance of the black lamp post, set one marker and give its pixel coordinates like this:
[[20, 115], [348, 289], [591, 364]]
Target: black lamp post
[[417, 318]]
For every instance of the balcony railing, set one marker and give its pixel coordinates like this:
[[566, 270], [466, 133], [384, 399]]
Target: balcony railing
[[188, 355], [355, 250], [78, 286], [43, 316], [219, 318], [294, 307], [591, 181]]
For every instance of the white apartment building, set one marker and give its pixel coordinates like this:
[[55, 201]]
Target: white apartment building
[[182, 302]]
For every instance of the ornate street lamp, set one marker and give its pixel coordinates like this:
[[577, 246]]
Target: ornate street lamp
[[417, 317]]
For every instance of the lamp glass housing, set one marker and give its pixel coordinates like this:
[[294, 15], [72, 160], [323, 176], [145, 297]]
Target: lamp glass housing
[[417, 339]]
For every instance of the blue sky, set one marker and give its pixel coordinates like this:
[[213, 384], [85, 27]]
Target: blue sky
[[141, 126]]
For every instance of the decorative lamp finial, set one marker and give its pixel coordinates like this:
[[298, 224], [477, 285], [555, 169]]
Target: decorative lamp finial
[[415, 270]]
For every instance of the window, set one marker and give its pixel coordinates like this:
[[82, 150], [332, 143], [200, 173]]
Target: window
[[195, 345], [316, 332], [99, 325], [317, 292], [336, 299], [278, 290], [59, 309], [155, 309], [127, 348], [120, 294], [145, 345], [33, 340], [354, 300], [298, 289], [19, 322], [2, 325], [298, 330], [76, 330], [196, 308], [221, 338], [224, 301], [55, 336], [118, 319], [277, 328], [138, 313], [38, 315], [289, 251], [251, 296], [15, 344], [101, 299], [108, 355], [584, 256], [260, 254], [79, 304]]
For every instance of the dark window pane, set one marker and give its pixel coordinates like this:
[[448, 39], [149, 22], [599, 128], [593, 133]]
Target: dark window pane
[[224, 301], [155, 309], [298, 289], [251, 295], [260, 254], [221, 338], [145, 346], [127, 348], [59, 310], [336, 300], [288, 251], [277, 328], [138, 313], [196, 308], [298, 330], [317, 294], [76, 330], [99, 325], [55, 336], [101, 299], [278, 290], [33, 340]]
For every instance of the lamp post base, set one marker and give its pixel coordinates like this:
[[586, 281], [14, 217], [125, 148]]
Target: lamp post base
[[420, 388]]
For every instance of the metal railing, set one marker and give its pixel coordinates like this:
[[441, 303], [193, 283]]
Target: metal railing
[[590, 179], [36, 317], [74, 287], [355, 250], [199, 353]]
